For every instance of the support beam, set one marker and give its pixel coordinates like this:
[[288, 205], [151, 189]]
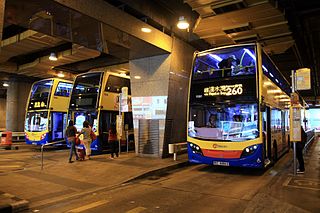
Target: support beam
[[2, 6], [112, 16]]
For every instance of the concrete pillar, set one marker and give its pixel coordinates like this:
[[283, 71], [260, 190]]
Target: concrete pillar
[[2, 6], [12, 107], [2, 114], [17, 96], [159, 88]]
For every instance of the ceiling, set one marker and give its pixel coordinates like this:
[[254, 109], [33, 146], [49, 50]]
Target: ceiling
[[288, 30]]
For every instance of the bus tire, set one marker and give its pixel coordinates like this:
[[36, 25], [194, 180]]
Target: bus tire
[[275, 151]]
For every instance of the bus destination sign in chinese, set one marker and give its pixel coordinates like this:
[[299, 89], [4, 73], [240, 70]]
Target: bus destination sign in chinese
[[224, 90]]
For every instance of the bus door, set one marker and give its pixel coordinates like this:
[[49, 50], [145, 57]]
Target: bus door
[[266, 127], [107, 118], [58, 125], [283, 130]]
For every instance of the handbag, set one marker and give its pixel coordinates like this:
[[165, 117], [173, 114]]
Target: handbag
[[93, 136], [77, 141]]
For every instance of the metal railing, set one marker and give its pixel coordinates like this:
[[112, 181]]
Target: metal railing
[[48, 144], [174, 148]]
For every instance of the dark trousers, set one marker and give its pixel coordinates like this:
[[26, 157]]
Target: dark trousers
[[114, 145], [299, 152], [73, 149]]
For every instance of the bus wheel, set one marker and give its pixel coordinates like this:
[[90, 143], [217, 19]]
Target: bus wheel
[[275, 151]]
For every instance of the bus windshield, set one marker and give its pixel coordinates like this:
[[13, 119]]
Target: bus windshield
[[220, 63], [86, 91], [40, 94], [224, 122], [36, 121]]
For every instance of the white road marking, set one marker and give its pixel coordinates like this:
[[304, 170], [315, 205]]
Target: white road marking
[[136, 210], [89, 206]]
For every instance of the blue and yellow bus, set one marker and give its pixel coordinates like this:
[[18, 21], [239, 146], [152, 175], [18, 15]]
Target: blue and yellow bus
[[238, 108], [46, 111], [95, 98]]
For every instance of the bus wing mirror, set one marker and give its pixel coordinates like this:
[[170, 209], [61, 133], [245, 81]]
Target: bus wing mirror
[[263, 107]]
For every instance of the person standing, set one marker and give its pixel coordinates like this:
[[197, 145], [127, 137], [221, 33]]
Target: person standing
[[299, 151], [113, 142], [85, 131], [71, 132]]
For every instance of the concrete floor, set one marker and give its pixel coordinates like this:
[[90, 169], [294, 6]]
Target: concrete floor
[[105, 185]]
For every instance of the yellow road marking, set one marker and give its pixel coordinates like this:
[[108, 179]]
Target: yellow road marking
[[10, 166], [136, 210], [89, 206]]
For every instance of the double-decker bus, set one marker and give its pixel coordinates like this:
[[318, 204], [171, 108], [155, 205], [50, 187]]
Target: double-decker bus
[[46, 111], [95, 98], [238, 108]]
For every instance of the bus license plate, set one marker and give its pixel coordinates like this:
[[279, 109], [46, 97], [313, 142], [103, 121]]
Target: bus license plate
[[220, 163]]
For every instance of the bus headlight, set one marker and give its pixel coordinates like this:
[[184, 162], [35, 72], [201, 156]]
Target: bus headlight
[[43, 136], [195, 149], [249, 151]]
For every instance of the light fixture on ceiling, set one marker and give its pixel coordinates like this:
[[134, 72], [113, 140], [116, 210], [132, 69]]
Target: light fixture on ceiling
[[137, 77], [5, 84], [182, 23], [53, 57], [60, 75], [146, 30]]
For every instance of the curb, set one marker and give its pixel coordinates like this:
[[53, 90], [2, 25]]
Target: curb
[[160, 171], [14, 205]]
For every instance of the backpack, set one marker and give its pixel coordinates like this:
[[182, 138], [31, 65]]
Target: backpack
[[93, 136]]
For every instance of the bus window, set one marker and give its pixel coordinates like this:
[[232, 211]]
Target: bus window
[[63, 89], [238, 122], [225, 63], [36, 121], [115, 83]]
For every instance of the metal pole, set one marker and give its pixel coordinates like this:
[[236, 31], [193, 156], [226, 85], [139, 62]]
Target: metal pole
[[293, 85], [42, 157], [127, 137]]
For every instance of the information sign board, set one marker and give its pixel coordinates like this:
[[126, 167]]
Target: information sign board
[[303, 80], [295, 124]]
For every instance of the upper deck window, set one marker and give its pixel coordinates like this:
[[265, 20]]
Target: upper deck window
[[227, 62], [63, 89], [115, 83], [41, 89]]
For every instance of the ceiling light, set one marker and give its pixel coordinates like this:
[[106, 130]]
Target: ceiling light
[[5, 84], [53, 57], [60, 75], [137, 77], [182, 23], [146, 30]]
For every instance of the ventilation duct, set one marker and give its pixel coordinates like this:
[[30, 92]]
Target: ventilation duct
[[245, 39], [228, 6], [238, 28]]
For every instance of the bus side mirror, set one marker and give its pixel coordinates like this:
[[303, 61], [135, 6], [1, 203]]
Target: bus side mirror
[[263, 107]]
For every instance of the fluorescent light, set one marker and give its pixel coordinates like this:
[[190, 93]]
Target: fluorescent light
[[53, 57], [5, 84], [182, 23], [137, 77], [215, 57], [60, 75], [122, 74], [250, 53], [146, 30]]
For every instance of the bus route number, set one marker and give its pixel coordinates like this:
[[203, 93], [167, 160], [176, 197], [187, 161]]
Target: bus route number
[[226, 90]]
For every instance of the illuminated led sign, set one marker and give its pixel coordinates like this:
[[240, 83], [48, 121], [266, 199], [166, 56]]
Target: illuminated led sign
[[225, 90], [39, 104]]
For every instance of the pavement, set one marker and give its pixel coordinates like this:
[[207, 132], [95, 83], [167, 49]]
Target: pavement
[[24, 185], [24, 181]]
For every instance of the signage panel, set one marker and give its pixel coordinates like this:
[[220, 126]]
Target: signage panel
[[303, 80], [295, 124]]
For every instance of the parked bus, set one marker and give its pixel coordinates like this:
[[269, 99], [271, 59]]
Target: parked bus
[[46, 111], [95, 98], [238, 108]]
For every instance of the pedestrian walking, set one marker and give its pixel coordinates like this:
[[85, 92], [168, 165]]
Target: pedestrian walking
[[70, 133], [113, 142], [299, 151], [85, 131]]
